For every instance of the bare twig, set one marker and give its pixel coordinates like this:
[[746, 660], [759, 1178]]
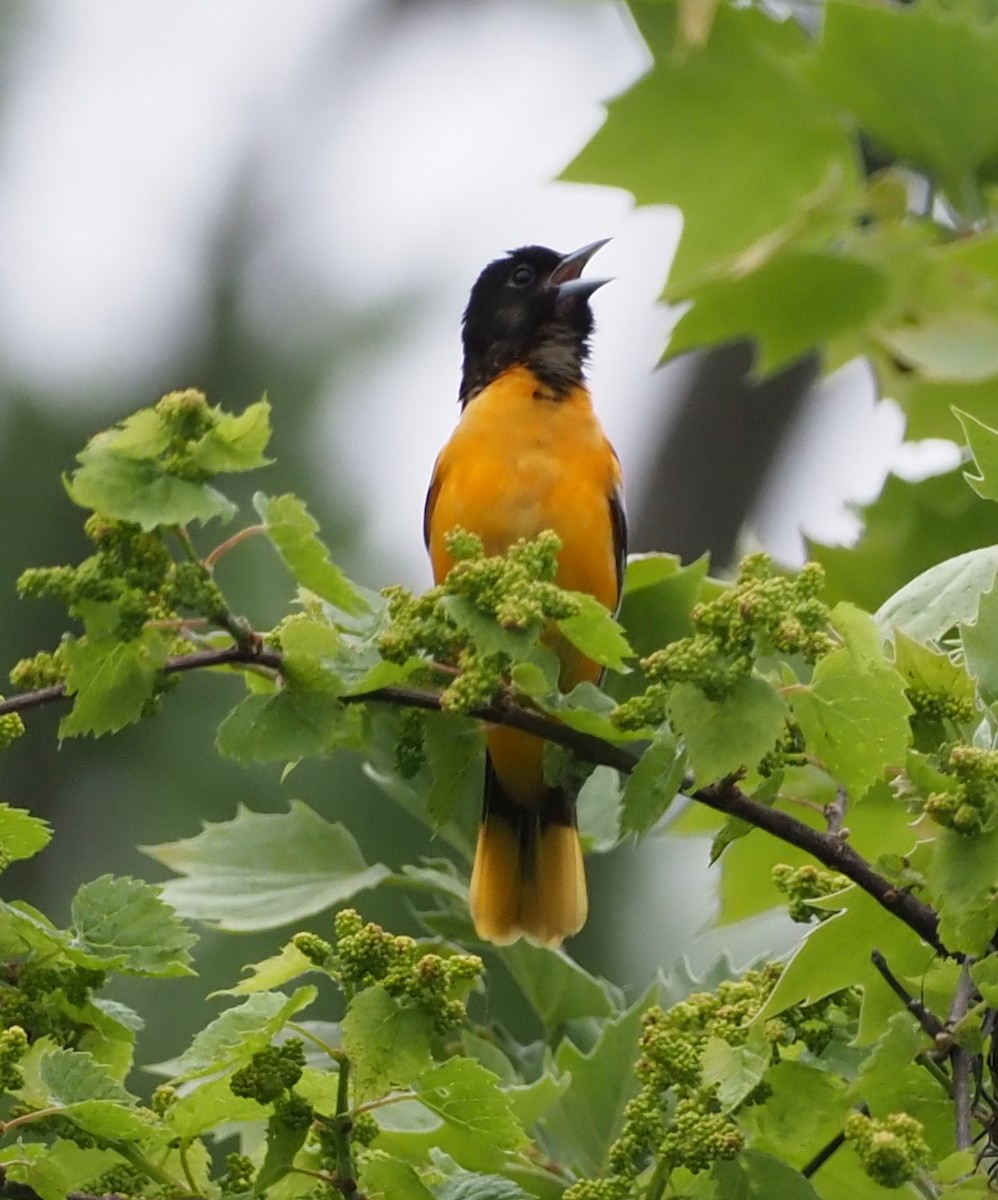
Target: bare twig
[[928, 1020]]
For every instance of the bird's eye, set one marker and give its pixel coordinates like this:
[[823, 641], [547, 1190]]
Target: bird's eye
[[522, 275]]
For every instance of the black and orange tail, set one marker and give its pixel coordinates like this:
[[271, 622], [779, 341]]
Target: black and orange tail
[[528, 878]]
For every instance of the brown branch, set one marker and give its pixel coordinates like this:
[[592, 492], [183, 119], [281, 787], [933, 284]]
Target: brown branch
[[928, 1020], [724, 797]]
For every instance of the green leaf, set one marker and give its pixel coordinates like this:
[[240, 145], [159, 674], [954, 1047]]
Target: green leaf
[[70, 1076], [283, 1144], [54, 1171], [124, 923], [892, 70], [387, 1042], [653, 785], [960, 345], [983, 443], [209, 1105], [465, 1185], [578, 1128], [836, 955], [854, 713], [790, 304], [979, 639], [556, 987], [142, 492], [263, 870], [723, 736], [309, 645], [594, 631], [921, 666], [597, 809], [23, 928], [753, 1175], [985, 976], [21, 834], [655, 609], [271, 973], [389, 1179], [736, 1070], [454, 748], [111, 681], [468, 1098], [234, 1036], [293, 532], [236, 442], [805, 1109], [962, 876], [908, 529], [287, 726], [736, 91], [941, 598]]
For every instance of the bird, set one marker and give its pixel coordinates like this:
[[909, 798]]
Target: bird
[[528, 454]]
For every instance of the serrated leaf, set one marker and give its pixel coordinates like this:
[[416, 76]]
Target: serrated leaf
[[390, 1179], [234, 1036], [983, 443], [921, 666], [736, 90], [788, 305], [519, 645], [653, 784], [984, 973], [468, 1098], [723, 736], [110, 681], [465, 1185], [556, 987], [271, 973], [22, 835], [942, 597], [854, 713], [141, 491], [287, 726], [294, 532], [235, 442], [962, 876], [454, 748], [71, 1076], [387, 1042], [754, 1174], [126, 925], [578, 1128], [23, 928], [805, 1109], [309, 647], [594, 631], [836, 955], [263, 870]]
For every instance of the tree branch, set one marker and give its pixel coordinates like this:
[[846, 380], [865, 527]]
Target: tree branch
[[724, 797]]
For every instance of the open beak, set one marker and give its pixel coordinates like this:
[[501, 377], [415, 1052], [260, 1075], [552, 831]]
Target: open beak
[[565, 278]]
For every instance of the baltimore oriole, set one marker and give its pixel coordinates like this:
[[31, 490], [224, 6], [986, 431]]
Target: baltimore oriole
[[528, 454]]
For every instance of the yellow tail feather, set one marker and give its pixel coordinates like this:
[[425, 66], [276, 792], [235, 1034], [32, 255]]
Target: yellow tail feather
[[527, 882]]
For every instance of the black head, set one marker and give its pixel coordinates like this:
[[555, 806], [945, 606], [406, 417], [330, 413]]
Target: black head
[[529, 308]]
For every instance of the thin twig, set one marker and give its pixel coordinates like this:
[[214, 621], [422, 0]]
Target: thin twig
[[928, 1020], [724, 797], [962, 1061]]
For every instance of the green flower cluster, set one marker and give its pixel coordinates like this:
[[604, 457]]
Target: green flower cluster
[[270, 1073], [366, 956], [239, 1175], [13, 1047], [892, 1149], [762, 613], [971, 807], [184, 419], [11, 728], [132, 573], [515, 589], [801, 884], [675, 1120], [935, 705], [41, 1000]]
